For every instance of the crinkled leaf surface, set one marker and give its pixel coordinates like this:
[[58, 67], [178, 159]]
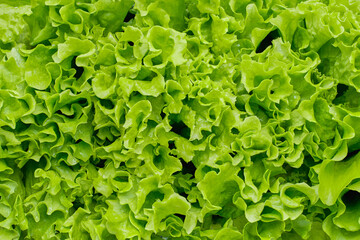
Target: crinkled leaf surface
[[181, 119]]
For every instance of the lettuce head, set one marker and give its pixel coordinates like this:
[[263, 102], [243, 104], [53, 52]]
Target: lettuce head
[[180, 119]]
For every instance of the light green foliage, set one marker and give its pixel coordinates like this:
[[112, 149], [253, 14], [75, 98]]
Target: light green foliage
[[180, 119]]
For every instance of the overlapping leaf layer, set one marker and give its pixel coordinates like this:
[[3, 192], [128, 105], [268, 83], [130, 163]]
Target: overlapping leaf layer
[[180, 119]]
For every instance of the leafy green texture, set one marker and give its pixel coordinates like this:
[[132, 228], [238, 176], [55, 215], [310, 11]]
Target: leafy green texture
[[180, 119]]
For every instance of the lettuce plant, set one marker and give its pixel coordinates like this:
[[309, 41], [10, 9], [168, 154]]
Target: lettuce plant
[[180, 119]]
